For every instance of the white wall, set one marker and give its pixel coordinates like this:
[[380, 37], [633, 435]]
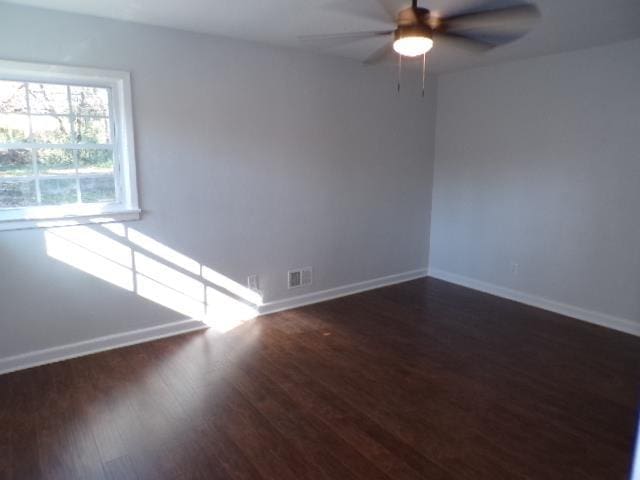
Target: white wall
[[250, 160], [538, 163]]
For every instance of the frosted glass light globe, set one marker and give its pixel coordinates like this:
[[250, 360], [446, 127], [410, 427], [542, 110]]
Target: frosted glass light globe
[[412, 46]]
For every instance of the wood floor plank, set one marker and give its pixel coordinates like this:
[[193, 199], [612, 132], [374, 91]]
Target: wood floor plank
[[219, 445], [270, 453], [440, 445], [319, 444], [22, 425], [397, 458], [422, 380]]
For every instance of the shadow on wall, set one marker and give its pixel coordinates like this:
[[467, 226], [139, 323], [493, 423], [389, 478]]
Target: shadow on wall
[[143, 266]]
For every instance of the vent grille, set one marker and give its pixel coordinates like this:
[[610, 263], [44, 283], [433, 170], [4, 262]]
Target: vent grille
[[300, 278], [295, 279]]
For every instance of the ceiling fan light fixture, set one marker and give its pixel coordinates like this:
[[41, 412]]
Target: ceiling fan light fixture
[[413, 46], [412, 41]]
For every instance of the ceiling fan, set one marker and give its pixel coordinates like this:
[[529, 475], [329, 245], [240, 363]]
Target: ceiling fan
[[483, 27]]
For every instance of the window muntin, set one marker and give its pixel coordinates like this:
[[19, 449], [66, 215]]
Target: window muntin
[[55, 145], [66, 146]]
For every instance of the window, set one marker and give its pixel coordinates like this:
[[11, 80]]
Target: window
[[66, 146]]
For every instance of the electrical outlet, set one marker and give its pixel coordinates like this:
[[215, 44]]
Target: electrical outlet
[[515, 268], [252, 283]]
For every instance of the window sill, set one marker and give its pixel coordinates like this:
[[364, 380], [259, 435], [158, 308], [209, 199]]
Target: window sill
[[46, 221]]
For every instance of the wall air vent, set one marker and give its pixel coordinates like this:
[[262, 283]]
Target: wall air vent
[[300, 278]]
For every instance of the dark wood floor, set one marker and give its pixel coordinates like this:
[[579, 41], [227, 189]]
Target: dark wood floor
[[423, 380]]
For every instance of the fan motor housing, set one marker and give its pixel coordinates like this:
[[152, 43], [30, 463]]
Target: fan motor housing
[[413, 31], [411, 16]]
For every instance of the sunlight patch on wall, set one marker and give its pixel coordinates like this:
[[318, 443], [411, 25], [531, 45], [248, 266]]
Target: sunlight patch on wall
[[114, 253], [95, 242], [169, 298], [88, 261], [170, 277], [162, 251], [225, 313], [233, 287]]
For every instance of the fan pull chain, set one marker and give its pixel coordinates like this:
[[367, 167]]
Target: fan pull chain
[[424, 71], [399, 71]]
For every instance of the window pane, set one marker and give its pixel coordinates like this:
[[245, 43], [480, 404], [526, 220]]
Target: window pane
[[51, 129], [90, 101], [14, 128], [100, 189], [17, 193], [61, 152], [58, 191], [92, 130], [15, 163], [95, 161], [48, 98], [55, 162], [12, 97]]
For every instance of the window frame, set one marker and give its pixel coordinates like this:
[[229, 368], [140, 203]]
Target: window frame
[[126, 206]]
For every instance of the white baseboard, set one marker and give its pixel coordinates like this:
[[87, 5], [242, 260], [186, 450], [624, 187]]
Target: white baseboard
[[602, 319], [330, 294], [64, 352], [109, 342]]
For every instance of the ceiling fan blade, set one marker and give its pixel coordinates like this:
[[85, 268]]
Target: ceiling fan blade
[[342, 38], [462, 42], [392, 7], [381, 55], [491, 38], [514, 19], [366, 10]]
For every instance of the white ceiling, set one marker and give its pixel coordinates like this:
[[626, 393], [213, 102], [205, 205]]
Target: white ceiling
[[565, 24]]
